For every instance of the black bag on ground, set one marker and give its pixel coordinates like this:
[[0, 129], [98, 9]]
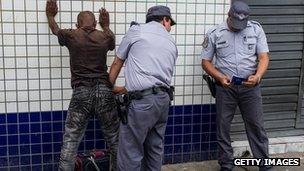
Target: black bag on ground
[[96, 160], [211, 84]]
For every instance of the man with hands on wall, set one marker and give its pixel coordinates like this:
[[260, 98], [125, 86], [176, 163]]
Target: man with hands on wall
[[92, 89]]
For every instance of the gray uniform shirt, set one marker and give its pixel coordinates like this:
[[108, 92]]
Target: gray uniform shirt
[[235, 53], [150, 53]]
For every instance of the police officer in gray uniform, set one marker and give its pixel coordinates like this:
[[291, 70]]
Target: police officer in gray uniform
[[239, 48], [149, 52]]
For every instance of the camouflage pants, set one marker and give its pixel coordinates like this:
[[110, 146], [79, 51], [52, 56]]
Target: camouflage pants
[[86, 102]]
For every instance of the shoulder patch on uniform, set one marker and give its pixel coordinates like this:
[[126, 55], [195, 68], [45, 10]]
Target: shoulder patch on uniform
[[205, 42]]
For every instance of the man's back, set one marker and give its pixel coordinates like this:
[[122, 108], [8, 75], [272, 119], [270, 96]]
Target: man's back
[[88, 54]]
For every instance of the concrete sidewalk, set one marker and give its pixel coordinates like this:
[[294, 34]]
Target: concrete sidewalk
[[213, 166]]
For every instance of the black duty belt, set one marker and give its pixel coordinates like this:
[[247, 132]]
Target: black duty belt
[[137, 95], [123, 101], [152, 90]]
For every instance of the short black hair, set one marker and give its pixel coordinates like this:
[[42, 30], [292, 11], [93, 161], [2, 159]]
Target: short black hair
[[157, 18]]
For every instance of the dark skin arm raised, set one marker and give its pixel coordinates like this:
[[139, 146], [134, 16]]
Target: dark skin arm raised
[[104, 21], [51, 11]]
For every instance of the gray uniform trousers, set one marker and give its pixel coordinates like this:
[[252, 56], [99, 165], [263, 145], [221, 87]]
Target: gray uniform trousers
[[86, 102], [249, 101], [141, 140]]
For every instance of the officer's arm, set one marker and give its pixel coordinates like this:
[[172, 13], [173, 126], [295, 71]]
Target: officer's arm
[[211, 70], [261, 69], [263, 65], [115, 69], [51, 11]]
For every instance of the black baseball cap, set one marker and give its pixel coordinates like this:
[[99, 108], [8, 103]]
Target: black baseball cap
[[160, 10], [239, 13]]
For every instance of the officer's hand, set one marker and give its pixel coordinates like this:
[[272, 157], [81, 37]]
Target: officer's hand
[[119, 90], [225, 81], [104, 19], [51, 8], [252, 81]]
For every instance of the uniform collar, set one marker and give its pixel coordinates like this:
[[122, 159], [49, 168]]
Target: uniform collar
[[159, 25], [160, 29]]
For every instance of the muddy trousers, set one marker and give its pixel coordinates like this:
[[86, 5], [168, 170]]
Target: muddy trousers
[[86, 102]]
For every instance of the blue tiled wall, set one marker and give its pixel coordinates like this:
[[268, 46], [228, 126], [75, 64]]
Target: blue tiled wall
[[32, 141]]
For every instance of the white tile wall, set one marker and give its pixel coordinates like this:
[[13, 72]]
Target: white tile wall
[[32, 50], [2, 99], [65, 17], [45, 84], [57, 105], [10, 74], [44, 51], [22, 85], [56, 95], [19, 5], [66, 83], [33, 84], [7, 5], [23, 107], [56, 84], [45, 105], [43, 40], [22, 74], [35, 69], [11, 96], [10, 85], [19, 17], [33, 62], [11, 107], [34, 106], [76, 5], [34, 95], [20, 40], [21, 51], [43, 28], [65, 4], [9, 62], [23, 96], [45, 95], [33, 73]]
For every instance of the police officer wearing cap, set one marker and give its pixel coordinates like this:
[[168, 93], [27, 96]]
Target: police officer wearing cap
[[149, 53], [239, 51]]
